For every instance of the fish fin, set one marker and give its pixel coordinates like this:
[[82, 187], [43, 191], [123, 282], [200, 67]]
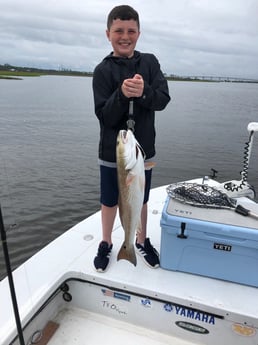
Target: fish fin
[[129, 178], [127, 253], [149, 165], [131, 163], [139, 228]]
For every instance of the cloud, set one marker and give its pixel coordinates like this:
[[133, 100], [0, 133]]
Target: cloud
[[190, 37]]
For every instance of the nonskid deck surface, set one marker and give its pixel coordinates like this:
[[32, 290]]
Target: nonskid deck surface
[[77, 326]]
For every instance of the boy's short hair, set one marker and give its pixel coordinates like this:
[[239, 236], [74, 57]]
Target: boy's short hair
[[123, 12]]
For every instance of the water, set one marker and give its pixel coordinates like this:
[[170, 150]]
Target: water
[[49, 177]]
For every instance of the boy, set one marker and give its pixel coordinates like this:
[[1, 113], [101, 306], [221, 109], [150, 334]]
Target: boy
[[123, 76]]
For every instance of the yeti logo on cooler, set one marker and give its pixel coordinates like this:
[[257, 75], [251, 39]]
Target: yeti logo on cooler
[[221, 246]]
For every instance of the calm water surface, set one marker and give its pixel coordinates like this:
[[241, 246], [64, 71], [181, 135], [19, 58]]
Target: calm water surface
[[49, 177]]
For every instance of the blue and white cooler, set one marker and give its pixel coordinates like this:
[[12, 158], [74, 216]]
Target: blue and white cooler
[[217, 243]]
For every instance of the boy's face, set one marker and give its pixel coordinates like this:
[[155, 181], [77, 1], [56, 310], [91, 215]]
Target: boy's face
[[123, 35]]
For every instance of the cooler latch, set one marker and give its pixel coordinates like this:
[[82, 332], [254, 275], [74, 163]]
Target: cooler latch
[[182, 234]]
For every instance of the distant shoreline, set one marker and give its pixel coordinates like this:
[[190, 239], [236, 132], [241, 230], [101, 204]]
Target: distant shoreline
[[18, 73]]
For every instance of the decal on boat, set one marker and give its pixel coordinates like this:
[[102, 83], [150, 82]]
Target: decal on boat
[[190, 313], [114, 294], [191, 327], [243, 330], [168, 307], [146, 302]]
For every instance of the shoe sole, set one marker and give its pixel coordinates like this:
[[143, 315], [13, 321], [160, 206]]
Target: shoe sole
[[100, 270]]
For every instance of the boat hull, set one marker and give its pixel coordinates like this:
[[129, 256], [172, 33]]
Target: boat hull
[[83, 310]]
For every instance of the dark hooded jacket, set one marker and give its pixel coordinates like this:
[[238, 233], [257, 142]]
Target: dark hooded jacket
[[112, 107]]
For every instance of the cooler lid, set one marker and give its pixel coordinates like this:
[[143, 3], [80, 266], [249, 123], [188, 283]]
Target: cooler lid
[[218, 215]]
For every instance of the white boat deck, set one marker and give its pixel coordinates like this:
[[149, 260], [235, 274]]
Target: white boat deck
[[71, 256], [78, 326]]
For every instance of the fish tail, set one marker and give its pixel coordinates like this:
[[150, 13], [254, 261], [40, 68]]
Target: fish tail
[[127, 253]]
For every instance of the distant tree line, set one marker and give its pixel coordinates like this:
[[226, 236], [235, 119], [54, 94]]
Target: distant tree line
[[61, 71], [29, 71]]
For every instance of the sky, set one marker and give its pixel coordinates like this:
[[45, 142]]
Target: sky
[[189, 37]]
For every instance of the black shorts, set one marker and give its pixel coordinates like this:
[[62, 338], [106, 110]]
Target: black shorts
[[109, 186]]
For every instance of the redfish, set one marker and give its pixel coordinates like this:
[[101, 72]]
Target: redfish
[[131, 183]]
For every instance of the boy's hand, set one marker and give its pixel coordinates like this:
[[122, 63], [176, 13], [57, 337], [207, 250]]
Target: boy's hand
[[133, 87]]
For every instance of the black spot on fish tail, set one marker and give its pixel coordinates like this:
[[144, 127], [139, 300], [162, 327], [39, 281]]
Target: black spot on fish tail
[[127, 253]]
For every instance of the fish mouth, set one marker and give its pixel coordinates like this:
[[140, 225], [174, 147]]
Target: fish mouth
[[123, 135]]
